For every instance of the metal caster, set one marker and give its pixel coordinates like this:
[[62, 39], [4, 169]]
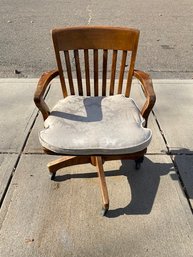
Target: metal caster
[[52, 175], [104, 212], [138, 163]]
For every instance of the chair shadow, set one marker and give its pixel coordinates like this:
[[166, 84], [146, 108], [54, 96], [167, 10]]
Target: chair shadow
[[143, 185]]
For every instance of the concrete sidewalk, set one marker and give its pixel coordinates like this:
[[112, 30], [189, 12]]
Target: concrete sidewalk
[[150, 209]]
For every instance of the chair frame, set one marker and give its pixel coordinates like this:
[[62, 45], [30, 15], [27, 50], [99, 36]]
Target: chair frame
[[63, 42]]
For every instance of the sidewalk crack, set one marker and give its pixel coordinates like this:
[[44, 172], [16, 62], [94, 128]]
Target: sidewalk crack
[[184, 190], [20, 154], [89, 14], [161, 132]]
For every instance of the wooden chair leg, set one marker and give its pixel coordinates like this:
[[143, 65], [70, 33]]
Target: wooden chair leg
[[66, 161], [103, 186], [93, 160]]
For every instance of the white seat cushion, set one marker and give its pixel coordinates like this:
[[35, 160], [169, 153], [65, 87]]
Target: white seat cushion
[[81, 125]]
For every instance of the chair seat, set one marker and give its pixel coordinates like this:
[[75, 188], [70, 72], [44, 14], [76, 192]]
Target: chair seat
[[80, 125]]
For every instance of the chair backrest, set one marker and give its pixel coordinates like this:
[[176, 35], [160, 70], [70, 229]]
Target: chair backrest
[[86, 48]]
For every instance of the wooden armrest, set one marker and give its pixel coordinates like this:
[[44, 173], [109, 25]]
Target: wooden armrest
[[148, 90], [40, 90]]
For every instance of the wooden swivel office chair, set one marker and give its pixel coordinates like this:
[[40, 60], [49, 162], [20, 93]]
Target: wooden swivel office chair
[[96, 121]]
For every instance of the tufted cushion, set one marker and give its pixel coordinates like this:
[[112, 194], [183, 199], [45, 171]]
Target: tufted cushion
[[81, 125]]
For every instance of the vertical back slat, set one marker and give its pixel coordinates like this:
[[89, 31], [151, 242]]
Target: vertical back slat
[[130, 74], [61, 74], [113, 72], [104, 79], [95, 72], [122, 70], [87, 72], [129, 79], [132, 65], [69, 72], [78, 72]]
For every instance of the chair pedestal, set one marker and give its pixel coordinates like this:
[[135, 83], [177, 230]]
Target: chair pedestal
[[97, 161]]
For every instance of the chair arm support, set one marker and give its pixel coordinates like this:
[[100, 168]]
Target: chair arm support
[[40, 90], [147, 86]]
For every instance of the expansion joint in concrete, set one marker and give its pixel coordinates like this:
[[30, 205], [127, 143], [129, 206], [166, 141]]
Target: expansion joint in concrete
[[20, 152], [173, 161]]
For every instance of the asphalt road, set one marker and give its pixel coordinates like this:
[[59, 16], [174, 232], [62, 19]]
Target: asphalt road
[[166, 40]]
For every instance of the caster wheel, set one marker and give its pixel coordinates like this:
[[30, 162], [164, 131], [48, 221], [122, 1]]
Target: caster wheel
[[104, 212], [52, 175], [137, 165]]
